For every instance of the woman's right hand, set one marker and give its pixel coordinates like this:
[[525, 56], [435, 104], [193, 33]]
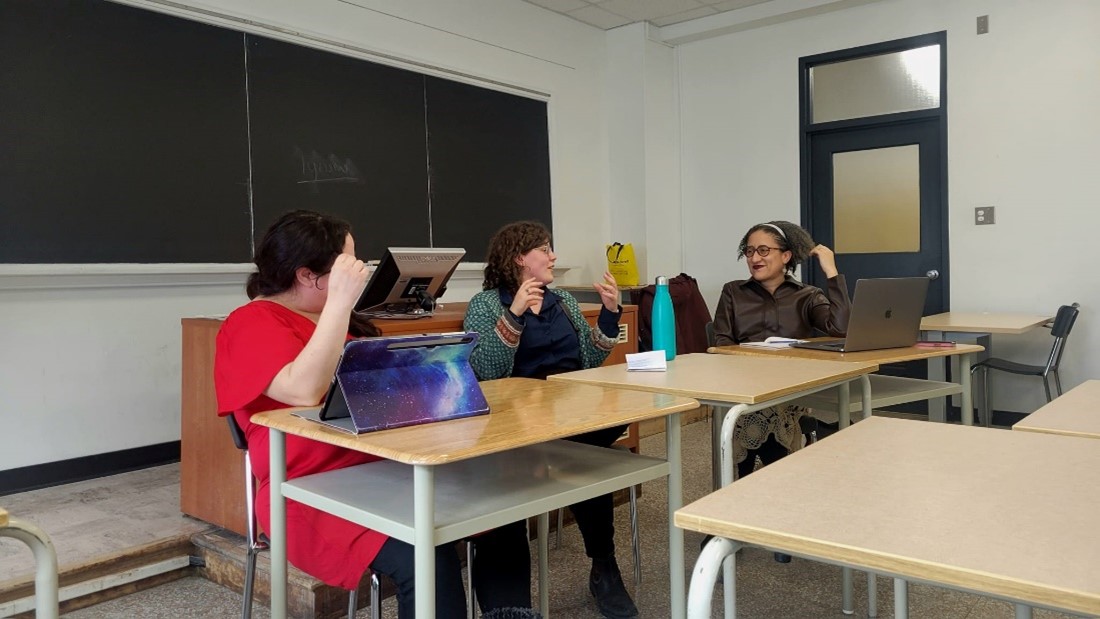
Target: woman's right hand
[[346, 281], [529, 295]]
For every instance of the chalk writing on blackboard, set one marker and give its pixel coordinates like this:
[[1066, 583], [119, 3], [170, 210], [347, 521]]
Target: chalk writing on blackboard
[[316, 168]]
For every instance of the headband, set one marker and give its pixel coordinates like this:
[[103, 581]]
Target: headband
[[777, 229]]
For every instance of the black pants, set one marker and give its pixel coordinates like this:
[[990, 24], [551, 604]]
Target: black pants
[[769, 451], [596, 517], [502, 573]]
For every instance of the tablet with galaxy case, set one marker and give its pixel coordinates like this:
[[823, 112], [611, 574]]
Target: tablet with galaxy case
[[397, 381]]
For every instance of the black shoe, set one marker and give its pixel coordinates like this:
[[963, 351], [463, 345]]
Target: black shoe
[[782, 558], [606, 585]]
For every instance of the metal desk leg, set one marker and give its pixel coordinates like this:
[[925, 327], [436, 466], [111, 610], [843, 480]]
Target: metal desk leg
[[865, 392], [45, 558], [705, 573], [901, 599], [844, 403], [725, 442], [967, 396], [937, 408], [424, 535], [677, 594], [1023, 611], [277, 457], [544, 563], [718, 417]]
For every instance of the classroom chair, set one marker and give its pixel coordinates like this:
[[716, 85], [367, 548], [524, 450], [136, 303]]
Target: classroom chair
[[1060, 328], [258, 541]]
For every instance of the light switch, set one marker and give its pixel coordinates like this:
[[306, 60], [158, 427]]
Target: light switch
[[983, 215]]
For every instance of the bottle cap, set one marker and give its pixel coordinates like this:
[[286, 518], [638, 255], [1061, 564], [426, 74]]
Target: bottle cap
[[662, 280]]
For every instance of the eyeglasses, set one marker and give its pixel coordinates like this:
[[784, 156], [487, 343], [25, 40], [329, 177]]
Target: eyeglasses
[[763, 250], [546, 249]]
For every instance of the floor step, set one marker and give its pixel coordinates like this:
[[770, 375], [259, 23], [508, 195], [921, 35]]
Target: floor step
[[104, 578], [223, 554]]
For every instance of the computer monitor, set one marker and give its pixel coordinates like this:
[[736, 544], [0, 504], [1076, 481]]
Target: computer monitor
[[407, 281]]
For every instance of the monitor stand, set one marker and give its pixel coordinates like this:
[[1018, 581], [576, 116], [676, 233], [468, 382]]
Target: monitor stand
[[398, 312]]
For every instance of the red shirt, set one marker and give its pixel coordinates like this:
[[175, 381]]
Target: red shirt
[[256, 341]]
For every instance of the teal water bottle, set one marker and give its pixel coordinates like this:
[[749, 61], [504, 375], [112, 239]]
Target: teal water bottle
[[663, 321]]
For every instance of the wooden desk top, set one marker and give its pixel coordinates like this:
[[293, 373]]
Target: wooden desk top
[[1007, 513], [724, 378], [1074, 413], [983, 322], [524, 412], [886, 355], [447, 318]]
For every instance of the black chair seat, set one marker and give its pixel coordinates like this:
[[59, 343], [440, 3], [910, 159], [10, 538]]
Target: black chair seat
[[1005, 365]]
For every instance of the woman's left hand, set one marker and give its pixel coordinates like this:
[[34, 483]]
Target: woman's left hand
[[609, 292], [826, 260]]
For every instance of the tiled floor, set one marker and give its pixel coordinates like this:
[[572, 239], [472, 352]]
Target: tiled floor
[[147, 503]]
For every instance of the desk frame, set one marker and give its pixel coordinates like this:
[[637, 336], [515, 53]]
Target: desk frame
[[426, 469]]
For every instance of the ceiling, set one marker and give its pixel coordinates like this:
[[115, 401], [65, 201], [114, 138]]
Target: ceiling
[[608, 14]]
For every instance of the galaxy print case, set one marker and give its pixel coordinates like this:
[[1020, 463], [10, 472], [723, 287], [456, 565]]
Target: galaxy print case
[[392, 382]]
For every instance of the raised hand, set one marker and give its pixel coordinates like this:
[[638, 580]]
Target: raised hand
[[346, 281], [826, 259], [609, 292], [529, 295]]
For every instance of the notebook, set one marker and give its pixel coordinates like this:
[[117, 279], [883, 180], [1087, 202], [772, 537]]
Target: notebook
[[397, 381], [886, 313]]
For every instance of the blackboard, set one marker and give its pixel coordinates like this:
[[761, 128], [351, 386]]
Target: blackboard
[[129, 136]]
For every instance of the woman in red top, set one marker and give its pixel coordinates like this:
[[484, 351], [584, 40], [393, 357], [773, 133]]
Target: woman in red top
[[281, 350]]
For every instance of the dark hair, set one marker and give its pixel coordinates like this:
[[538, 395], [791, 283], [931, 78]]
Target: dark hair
[[794, 239], [300, 239], [511, 241]]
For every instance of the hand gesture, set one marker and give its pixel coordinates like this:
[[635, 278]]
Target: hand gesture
[[529, 295], [609, 292], [825, 259], [346, 281]]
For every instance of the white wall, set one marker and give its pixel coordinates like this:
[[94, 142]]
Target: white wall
[[1022, 136], [90, 364]]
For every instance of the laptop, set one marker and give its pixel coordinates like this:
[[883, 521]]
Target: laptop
[[886, 313], [397, 381]]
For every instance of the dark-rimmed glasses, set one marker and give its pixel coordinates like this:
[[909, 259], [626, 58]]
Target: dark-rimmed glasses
[[763, 250]]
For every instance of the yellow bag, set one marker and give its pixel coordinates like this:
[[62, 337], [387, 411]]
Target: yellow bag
[[622, 264]]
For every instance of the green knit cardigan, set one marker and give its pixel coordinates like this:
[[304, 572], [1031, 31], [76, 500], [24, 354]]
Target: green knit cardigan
[[499, 334]]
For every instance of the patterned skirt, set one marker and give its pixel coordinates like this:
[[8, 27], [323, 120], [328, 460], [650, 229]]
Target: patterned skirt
[[752, 429]]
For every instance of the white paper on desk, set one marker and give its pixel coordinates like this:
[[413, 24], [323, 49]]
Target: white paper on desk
[[772, 343], [652, 361]]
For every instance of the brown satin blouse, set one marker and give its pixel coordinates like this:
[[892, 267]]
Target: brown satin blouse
[[748, 313]]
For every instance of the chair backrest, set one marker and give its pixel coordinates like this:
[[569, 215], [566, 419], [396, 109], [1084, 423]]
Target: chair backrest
[[237, 433], [1063, 324]]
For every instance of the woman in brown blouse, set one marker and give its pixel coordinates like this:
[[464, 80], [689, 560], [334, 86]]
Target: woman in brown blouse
[[773, 303]]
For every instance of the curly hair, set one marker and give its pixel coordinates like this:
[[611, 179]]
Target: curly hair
[[510, 242], [794, 239]]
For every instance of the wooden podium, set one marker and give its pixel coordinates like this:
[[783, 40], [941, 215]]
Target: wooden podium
[[211, 467]]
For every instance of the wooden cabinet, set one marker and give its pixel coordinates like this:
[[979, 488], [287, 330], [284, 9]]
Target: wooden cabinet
[[212, 469]]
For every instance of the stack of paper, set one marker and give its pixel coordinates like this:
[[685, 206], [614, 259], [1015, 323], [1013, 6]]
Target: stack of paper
[[652, 361], [772, 343]]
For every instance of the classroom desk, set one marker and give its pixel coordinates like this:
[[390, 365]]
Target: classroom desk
[[1018, 525], [211, 467], [978, 326], [45, 557], [885, 390], [1074, 413], [733, 385], [448, 467]]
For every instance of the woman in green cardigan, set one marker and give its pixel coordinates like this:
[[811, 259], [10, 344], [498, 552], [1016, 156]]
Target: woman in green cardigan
[[530, 330]]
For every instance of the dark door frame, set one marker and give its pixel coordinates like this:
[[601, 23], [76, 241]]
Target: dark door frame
[[807, 128]]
